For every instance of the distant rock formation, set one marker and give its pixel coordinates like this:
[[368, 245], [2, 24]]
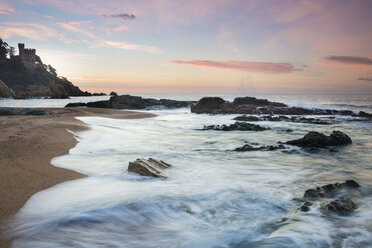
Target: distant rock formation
[[5, 92], [137, 102], [252, 105], [319, 140], [297, 119], [249, 148], [148, 167]]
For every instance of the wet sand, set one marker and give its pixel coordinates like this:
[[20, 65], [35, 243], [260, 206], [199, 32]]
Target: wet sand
[[28, 143]]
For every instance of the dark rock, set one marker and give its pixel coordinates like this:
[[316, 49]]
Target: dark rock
[[237, 126], [8, 111], [247, 148], [251, 105], [282, 118], [319, 140], [113, 93], [59, 97], [247, 118], [329, 190], [99, 94], [208, 105], [27, 111], [341, 206], [76, 104], [175, 104], [257, 102], [98, 104], [363, 114], [32, 112], [148, 167], [305, 207]]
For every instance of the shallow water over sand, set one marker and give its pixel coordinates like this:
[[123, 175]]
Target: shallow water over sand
[[213, 197]]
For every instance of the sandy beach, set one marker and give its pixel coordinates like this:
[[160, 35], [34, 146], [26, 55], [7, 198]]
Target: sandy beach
[[28, 143]]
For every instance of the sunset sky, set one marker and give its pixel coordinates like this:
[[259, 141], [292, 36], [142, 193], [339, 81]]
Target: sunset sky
[[199, 46]]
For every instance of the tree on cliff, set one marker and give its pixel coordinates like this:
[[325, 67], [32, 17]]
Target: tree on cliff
[[3, 49]]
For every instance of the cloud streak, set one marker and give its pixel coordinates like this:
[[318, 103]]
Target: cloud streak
[[350, 60], [127, 46], [256, 67], [123, 16], [365, 79]]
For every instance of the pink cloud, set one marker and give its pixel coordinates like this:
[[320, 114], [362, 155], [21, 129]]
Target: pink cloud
[[77, 27], [258, 67], [126, 46], [121, 28], [5, 9]]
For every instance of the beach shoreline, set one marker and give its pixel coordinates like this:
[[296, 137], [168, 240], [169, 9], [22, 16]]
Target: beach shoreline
[[27, 145]]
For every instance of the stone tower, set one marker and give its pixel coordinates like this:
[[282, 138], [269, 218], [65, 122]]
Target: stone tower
[[27, 57]]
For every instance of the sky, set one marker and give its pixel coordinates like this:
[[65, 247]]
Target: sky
[[199, 46]]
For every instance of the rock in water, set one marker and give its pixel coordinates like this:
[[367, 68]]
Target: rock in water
[[148, 167], [316, 139], [237, 126], [76, 104], [329, 190], [341, 206]]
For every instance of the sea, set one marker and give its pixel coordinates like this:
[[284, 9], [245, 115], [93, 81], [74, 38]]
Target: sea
[[213, 196]]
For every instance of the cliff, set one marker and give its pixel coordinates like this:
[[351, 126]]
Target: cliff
[[41, 82]]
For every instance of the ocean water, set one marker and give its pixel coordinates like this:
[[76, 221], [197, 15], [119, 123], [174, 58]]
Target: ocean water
[[213, 197]]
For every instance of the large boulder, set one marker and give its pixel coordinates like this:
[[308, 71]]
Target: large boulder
[[257, 102], [208, 105], [237, 126], [341, 206], [5, 91], [320, 140], [148, 167]]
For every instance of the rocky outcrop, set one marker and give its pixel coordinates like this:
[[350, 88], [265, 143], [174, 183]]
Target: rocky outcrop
[[26, 111], [252, 105], [137, 102], [249, 148], [98, 104], [319, 140], [284, 118], [329, 190], [113, 93], [341, 206], [5, 91], [362, 114], [75, 104], [148, 167], [237, 126]]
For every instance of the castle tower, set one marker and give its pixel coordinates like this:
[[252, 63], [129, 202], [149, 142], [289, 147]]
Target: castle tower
[[27, 57]]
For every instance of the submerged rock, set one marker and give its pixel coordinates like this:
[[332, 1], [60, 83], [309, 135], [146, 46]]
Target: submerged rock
[[26, 111], [148, 167], [320, 140], [237, 126], [75, 104], [341, 206], [247, 148]]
